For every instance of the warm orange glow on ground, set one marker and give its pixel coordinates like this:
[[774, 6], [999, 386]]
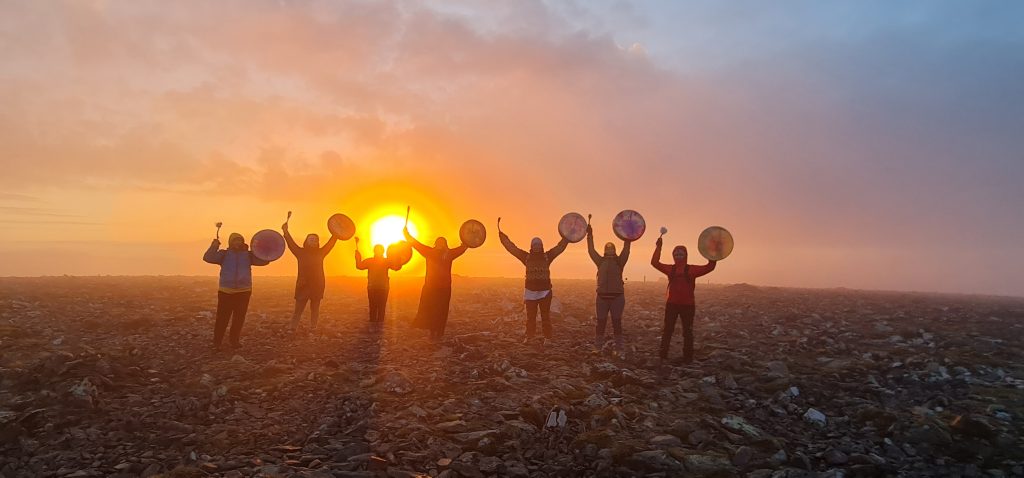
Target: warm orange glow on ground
[[388, 230]]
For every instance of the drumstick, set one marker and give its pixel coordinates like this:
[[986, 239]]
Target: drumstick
[[407, 209], [588, 219], [219, 224], [288, 218], [499, 223], [663, 231]]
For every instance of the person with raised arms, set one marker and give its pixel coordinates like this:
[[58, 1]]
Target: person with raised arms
[[377, 282], [310, 281], [234, 286], [611, 289], [679, 303], [436, 295], [538, 290]]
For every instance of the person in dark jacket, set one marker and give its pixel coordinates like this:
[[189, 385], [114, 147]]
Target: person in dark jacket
[[310, 280], [610, 289], [235, 286], [679, 303], [377, 282], [437, 285], [538, 293]]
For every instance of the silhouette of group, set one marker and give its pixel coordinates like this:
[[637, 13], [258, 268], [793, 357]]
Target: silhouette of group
[[235, 285]]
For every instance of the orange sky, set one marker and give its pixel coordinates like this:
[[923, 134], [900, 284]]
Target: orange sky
[[842, 147]]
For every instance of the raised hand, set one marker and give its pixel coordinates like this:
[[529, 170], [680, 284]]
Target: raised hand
[[658, 242]]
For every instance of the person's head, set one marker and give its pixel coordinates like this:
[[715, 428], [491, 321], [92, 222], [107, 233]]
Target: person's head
[[312, 241], [236, 241], [378, 251], [679, 255], [536, 245], [609, 250], [441, 243]]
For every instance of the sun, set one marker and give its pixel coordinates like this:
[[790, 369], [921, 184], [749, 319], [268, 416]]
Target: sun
[[388, 230]]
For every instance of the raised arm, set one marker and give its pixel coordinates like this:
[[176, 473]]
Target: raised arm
[[625, 253], [512, 249], [256, 261], [213, 255], [292, 246], [656, 259], [557, 250], [458, 251], [594, 256], [697, 271], [359, 263], [326, 249], [419, 246]]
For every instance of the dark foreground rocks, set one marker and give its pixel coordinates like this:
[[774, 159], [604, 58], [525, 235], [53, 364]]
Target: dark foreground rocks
[[115, 377]]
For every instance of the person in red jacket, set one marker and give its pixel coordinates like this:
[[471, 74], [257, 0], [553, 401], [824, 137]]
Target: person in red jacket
[[679, 304]]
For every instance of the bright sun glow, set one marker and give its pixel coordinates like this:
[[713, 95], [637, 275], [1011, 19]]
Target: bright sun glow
[[388, 230]]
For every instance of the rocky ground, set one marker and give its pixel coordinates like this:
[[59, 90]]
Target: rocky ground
[[115, 377]]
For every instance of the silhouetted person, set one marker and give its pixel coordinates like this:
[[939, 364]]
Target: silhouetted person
[[610, 288], [235, 285], [310, 280], [377, 281], [437, 285], [679, 302], [538, 291]]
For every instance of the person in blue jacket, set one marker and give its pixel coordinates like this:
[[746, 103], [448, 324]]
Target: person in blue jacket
[[235, 286]]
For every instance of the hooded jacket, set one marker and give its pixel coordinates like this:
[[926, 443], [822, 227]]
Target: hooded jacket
[[681, 278], [235, 267]]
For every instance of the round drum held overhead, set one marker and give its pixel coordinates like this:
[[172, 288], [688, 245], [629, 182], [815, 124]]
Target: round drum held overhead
[[268, 245], [400, 253], [629, 225], [341, 226], [572, 227], [473, 233], [715, 243]]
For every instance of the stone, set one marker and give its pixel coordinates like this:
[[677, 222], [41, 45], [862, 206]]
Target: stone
[[815, 417], [665, 441]]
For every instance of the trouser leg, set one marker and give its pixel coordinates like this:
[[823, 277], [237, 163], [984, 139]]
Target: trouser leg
[[314, 311], [687, 318], [617, 306], [224, 302], [382, 304], [603, 308], [300, 306], [372, 299], [241, 307], [545, 315], [671, 314], [531, 317]]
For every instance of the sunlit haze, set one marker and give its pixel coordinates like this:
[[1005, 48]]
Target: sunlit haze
[[862, 144]]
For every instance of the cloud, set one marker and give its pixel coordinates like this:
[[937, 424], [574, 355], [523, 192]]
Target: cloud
[[860, 127]]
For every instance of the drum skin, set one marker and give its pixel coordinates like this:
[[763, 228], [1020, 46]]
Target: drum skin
[[341, 226], [572, 227], [473, 233], [629, 225], [715, 243], [268, 245], [400, 253]]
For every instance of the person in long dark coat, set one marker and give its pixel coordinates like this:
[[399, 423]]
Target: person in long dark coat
[[437, 285], [310, 281]]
